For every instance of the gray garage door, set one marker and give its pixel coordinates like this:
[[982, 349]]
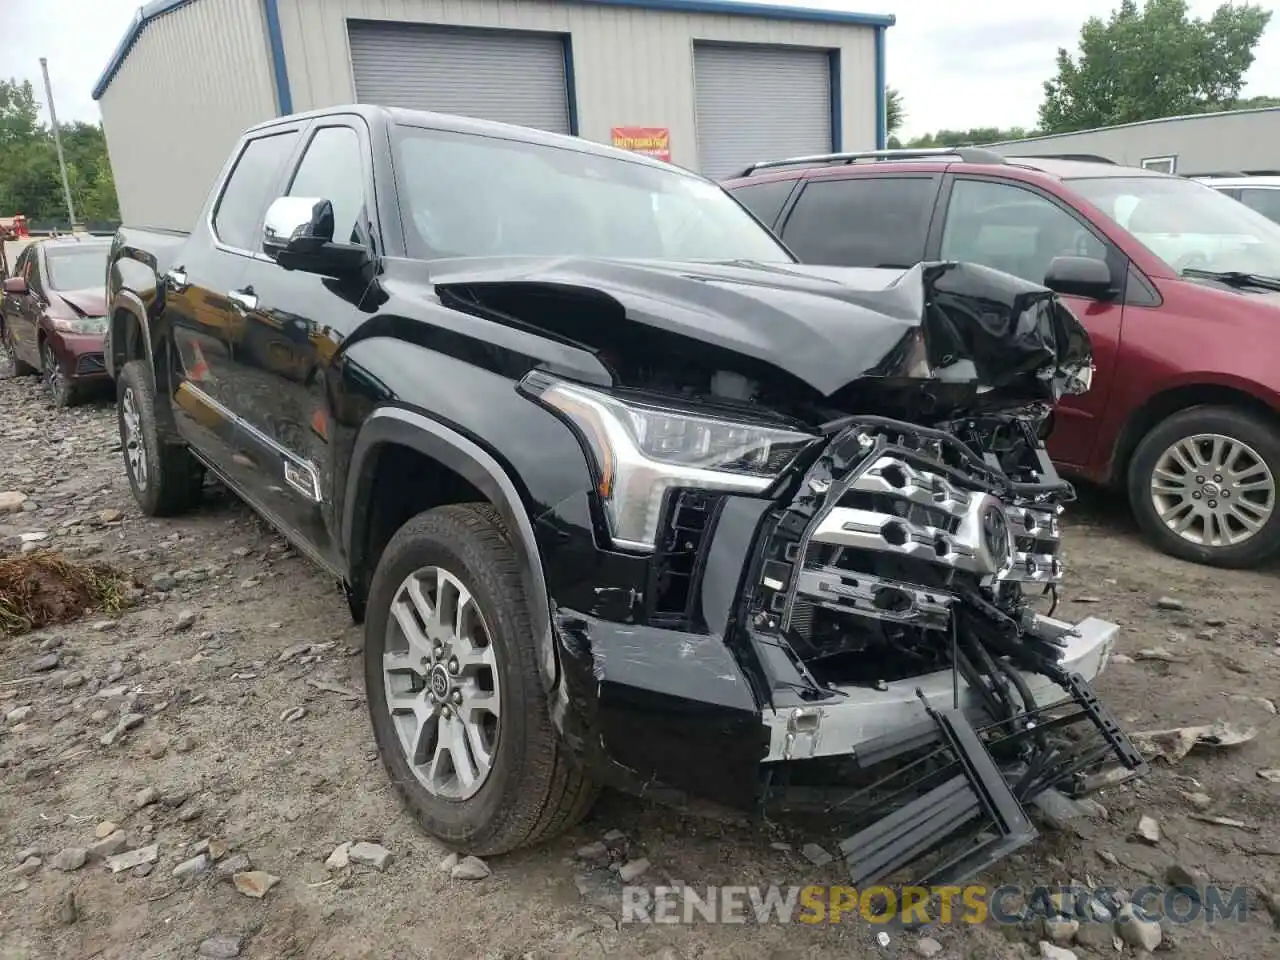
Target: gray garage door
[[491, 74], [760, 103]]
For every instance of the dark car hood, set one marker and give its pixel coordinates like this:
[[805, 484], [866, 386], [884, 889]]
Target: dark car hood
[[826, 327], [84, 303]]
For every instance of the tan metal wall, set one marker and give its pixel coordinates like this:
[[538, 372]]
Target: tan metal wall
[[194, 80], [1239, 140], [631, 66]]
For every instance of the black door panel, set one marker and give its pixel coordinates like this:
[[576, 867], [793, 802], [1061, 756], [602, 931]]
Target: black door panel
[[289, 325]]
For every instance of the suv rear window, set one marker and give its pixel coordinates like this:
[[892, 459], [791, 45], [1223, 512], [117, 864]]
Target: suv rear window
[[862, 221], [765, 200]]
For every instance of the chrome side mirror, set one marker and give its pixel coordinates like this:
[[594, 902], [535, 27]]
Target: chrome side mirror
[[297, 225]]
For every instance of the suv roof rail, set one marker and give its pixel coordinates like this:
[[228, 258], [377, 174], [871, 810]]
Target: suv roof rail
[[964, 154], [1242, 174], [1083, 157]]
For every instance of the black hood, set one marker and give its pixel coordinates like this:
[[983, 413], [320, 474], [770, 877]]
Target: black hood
[[963, 328]]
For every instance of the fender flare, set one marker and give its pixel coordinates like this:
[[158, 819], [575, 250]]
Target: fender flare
[[130, 303], [466, 458]]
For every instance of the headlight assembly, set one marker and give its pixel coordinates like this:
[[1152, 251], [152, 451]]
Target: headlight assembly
[[639, 451], [86, 325]]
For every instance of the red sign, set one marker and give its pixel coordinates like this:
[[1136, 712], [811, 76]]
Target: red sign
[[651, 141]]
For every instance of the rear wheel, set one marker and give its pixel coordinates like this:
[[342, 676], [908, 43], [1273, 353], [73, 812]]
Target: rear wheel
[[455, 690], [1203, 485], [166, 479], [10, 365]]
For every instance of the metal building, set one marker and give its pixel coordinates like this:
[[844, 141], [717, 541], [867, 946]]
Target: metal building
[[709, 84], [1243, 141]]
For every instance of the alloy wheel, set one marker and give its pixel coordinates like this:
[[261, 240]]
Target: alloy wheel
[[440, 672], [1213, 490], [135, 451], [54, 378]]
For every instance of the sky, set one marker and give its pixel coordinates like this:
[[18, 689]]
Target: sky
[[958, 65]]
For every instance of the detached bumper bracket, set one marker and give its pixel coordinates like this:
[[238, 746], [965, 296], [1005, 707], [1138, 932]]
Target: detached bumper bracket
[[977, 795]]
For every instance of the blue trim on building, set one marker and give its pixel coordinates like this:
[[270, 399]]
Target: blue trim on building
[[760, 11], [275, 37], [837, 104], [570, 85], [882, 101], [145, 15], [729, 8]]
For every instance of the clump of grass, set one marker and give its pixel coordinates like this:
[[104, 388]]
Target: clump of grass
[[44, 587]]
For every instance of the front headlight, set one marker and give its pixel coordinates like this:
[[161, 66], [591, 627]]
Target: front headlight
[[86, 325], [640, 451]]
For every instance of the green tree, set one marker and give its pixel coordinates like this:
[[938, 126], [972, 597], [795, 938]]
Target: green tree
[[972, 137], [893, 112], [19, 113], [1152, 61], [30, 182]]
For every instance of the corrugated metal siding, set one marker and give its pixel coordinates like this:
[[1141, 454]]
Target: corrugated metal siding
[[759, 103], [194, 80], [504, 75], [631, 67], [1248, 140]]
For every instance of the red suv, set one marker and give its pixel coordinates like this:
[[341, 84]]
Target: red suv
[[1177, 284]]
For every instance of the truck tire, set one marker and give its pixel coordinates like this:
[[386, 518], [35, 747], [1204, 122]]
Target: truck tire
[[165, 478], [474, 690], [1204, 486]]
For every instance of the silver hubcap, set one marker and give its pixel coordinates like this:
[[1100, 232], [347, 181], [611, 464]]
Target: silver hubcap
[[441, 676], [52, 372], [135, 453], [1213, 490]]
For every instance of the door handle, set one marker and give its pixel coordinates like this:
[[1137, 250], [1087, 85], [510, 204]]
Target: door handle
[[177, 279], [243, 300]]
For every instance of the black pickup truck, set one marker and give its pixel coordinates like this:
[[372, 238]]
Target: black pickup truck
[[622, 493]]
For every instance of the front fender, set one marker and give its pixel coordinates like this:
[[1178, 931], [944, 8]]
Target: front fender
[[450, 448]]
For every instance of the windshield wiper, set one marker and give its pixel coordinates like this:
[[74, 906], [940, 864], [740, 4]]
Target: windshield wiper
[[1234, 278]]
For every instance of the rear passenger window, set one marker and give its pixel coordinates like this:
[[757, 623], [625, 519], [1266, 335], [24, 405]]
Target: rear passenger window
[[331, 169], [1265, 201], [765, 200], [244, 199], [862, 222]]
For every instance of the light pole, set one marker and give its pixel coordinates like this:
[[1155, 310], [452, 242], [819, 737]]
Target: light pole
[[57, 142]]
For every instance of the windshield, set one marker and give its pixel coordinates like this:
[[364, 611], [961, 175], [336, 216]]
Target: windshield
[[77, 269], [1188, 225], [477, 196]]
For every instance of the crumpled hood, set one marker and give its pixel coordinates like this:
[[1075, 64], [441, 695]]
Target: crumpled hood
[[85, 303], [825, 326]]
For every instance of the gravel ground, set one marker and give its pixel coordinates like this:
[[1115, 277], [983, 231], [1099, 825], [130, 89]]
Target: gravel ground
[[251, 752]]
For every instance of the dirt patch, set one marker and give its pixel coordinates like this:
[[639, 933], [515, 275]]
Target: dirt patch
[[44, 588]]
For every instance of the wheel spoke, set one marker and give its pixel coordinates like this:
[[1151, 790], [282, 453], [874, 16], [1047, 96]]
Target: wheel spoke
[[441, 675], [1213, 490]]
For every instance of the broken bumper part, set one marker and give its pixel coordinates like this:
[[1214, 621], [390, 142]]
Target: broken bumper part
[[862, 715]]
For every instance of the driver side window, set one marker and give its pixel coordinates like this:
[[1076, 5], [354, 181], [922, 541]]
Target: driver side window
[[1011, 229]]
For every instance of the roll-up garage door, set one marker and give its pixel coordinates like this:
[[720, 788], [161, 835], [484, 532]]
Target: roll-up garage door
[[760, 103], [500, 75]]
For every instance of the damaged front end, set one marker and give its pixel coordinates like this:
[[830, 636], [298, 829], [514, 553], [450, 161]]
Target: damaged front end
[[859, 627], [900, 580]]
